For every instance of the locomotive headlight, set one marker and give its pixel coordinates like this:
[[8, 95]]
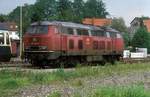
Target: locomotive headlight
[[43, 47]]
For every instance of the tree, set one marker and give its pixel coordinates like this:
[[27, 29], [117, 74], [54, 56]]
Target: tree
[[26, 16], [119, 24], [65, 10], [62, 10], [126, 39], [44, 10], [95, 8], [141, 39], [14, 16], [3, 18], [78, 10]]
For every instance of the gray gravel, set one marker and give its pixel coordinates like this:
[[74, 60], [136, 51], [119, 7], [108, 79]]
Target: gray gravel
[[66, 90]]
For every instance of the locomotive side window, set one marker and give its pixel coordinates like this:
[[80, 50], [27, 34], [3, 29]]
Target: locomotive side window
[[68, 31], [82, 32], [95, 45], [71, 44], [119, 35], [38, 29], [112, 34], [108, 34], [80, 44], [64, 30], [101, 33], [98, 33], [1, 38]]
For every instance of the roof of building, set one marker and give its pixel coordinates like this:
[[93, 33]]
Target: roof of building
[[97, 21], [139, 18], [143, 20], [9, 26]]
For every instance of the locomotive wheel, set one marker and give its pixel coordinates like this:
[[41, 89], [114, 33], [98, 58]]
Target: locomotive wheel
[[112, 60], [68, 62], [102, 63], [7, 59], [36, 63]]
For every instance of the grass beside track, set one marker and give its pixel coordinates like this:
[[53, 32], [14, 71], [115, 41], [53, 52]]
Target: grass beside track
[[128, 91], [12, 80], [110, 91]]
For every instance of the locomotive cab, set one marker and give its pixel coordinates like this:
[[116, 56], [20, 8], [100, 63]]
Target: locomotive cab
[[38, 42], [5, 47]]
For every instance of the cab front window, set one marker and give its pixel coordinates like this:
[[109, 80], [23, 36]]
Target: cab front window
[[38, 29]]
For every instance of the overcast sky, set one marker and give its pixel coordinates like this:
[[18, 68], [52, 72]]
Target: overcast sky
[[128, 9]]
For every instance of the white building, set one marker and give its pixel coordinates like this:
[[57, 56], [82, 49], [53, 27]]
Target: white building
[[10, 27]]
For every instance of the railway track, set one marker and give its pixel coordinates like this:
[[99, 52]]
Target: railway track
[[135, 60], [15, 62]]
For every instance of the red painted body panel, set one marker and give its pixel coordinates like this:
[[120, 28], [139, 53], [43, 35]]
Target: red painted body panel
[[119, 44], [56, 41]]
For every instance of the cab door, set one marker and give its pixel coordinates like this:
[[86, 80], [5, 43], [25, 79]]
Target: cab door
[[84, 41]]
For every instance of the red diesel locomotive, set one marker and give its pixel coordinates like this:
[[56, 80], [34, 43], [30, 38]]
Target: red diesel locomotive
[[67, 44]]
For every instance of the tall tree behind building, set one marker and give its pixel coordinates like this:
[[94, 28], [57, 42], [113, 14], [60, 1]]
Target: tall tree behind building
[[78, 10], [3, 18], [61, 10], [44, 10], [141, 39], [95, 8], [119, 24], [65, 10], [26, 20]]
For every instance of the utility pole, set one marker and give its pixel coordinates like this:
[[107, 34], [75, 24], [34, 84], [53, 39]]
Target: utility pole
[[20, 32]]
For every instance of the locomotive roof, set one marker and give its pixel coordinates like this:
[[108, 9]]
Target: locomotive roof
[[67, 24], [110, 29]]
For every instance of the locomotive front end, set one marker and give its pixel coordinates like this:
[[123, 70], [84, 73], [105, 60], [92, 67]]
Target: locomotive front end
[[37, 44]]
